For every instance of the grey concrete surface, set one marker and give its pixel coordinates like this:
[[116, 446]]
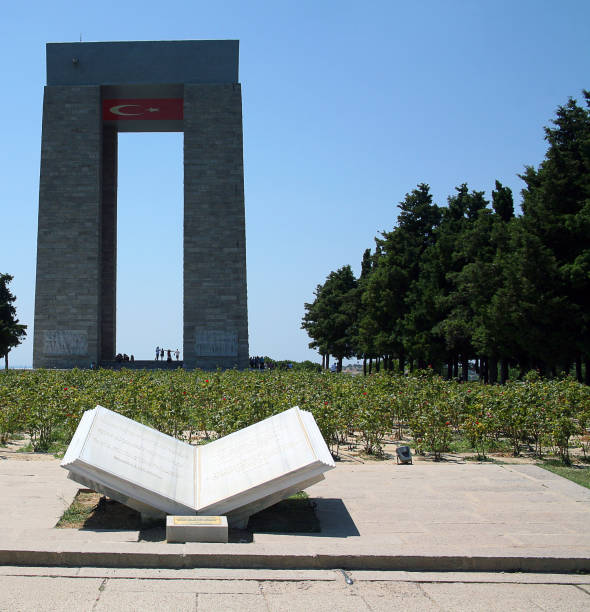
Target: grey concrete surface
[[426, 517], [69, 254], [33, 496], [214, 253], [143, 62], [52, 589]]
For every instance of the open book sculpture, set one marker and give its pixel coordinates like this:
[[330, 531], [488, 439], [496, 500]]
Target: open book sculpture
[[237, 475]]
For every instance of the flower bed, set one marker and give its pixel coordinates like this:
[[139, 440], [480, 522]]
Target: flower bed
[[197, 406]]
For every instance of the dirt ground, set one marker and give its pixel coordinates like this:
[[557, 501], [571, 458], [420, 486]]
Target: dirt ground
[[355, 454], [347, 454], [13, 451]]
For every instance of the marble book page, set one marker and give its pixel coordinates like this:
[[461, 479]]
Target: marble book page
[[134, 453], [251, 457]]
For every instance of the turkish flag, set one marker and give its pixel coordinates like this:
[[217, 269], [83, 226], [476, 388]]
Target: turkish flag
[[143, 109]]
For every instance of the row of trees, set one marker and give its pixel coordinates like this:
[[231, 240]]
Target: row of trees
[[11, 331], [474, 282]]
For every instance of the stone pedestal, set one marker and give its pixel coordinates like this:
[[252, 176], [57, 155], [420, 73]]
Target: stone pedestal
[[180, 529]]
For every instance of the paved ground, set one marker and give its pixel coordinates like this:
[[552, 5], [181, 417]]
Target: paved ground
[[95, 589], [443, 517], [374, 516]]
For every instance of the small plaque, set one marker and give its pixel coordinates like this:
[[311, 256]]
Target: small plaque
[[66, 342], [216, 343], [197, 520]]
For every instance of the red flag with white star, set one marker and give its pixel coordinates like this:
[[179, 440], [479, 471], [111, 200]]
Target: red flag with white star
[[142, 109]]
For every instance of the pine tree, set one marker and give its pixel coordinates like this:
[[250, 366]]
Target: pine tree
[[386, 308], [556, 207], [11, 331], [331, 318]]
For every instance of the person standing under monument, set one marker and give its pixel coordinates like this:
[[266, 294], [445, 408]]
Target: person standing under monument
[[169, 356], [157, 353], [177, 354], [161, 354]]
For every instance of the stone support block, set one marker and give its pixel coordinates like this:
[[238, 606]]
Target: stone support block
[[67, 300], [181, 529], [215, 295]]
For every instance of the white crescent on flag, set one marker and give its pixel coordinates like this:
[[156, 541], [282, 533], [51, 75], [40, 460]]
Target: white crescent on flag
[[116, 110], [143, 109]]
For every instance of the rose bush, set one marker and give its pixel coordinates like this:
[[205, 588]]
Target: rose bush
[[198, 406]]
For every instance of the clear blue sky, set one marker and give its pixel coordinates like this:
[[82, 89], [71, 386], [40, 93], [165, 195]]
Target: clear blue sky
[[347, 106]]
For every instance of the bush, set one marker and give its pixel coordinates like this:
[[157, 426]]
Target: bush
[[49, 404]]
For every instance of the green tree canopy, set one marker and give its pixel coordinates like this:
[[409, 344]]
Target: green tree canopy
[[470, 282], [331, 318], [556, 207], [11, 331], [395, 268]]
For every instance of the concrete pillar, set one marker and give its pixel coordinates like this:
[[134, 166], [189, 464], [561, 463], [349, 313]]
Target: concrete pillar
[[215, 295], [68, 295], [109, 244]]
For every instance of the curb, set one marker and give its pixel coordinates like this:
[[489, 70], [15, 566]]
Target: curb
[[455, 563]]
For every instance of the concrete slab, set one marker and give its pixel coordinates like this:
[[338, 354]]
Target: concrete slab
[[186, 585], [238, 591], [429, 517], [384, 597], [230, 603], [45, 594], [468, 577], [139, 601], [522, 597], [34, 492], [304, 601]]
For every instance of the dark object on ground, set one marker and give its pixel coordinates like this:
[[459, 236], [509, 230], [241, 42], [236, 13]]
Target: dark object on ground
[[404, 454]]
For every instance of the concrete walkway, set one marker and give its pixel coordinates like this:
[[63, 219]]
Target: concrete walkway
[[39, 589], [437, 517]]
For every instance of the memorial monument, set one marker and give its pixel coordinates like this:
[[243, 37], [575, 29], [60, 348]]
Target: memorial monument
[[94, 91], [236, 476]]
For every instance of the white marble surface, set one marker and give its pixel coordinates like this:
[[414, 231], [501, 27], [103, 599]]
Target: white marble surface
[[136, 460], [252, 457], [249, 469]]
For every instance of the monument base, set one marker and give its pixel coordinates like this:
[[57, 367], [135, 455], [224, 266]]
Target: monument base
[[180, 529]]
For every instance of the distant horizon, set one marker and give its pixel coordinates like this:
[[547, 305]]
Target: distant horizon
[[346, 362]]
